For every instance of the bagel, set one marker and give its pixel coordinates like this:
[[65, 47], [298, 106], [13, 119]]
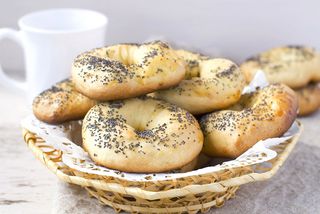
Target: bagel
[[294, 66], [266, 113], [142, 135], [309, 99], [126, 70], [61, 103], [209, 84], [190, 166]]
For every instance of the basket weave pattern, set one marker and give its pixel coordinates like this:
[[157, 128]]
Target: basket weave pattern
[[189, 194]]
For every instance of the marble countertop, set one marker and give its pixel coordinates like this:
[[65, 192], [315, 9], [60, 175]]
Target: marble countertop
[[26, 186]]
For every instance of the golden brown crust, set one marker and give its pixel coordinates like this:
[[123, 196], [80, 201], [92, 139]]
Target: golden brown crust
[[309, 99], [294, 66], [209, 84], [155, 137], [126, 70], [61, 103], [266, 113], [190, 166]]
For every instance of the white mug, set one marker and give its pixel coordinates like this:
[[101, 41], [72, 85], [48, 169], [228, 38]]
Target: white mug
[[51, 39]]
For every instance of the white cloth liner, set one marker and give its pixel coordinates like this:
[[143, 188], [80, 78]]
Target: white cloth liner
[[75, 157]]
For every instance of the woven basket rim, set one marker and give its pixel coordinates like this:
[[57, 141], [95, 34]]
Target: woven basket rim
[[176, 192], [155, 177]]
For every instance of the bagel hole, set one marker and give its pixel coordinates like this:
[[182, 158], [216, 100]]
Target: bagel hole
[[141, 125], [192, 72], [140, 129], [136, 125], [123, 54], [145, 133]]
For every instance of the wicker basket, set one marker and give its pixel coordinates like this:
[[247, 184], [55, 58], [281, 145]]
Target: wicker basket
[[189, 194]]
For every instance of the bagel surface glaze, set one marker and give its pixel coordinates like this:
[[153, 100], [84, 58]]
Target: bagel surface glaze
[[309, 99], [141, 135], [266, 113], [61, 103], [209, 84], [294, 66], [126, 70]]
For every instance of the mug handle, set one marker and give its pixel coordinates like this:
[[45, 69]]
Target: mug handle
[[4, 79]]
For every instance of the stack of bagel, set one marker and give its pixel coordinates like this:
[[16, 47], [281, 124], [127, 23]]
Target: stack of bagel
[[296, 66], [149, 108]]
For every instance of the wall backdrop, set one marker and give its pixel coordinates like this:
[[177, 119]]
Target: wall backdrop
[[228, 28]]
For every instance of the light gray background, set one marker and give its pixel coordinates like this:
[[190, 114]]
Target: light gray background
[[229, 28]]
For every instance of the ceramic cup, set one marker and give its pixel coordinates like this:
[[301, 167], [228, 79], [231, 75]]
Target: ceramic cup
[[51, 39]]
